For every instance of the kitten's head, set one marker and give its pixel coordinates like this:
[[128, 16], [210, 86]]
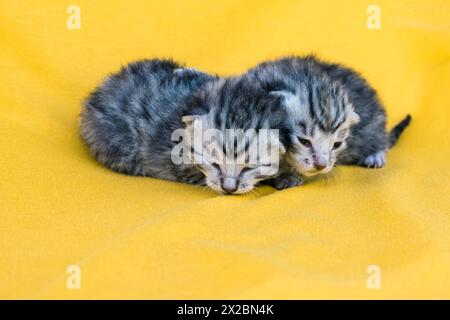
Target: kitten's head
[[321, 116], [238, 139]]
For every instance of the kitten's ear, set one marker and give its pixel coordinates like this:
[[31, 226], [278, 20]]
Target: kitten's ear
[[188, 120], [354, 117], [290, 100], [191, 120], [282, 93], [290, 103]]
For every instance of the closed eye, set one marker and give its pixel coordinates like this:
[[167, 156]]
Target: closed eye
[[337, 145], [248, 169], [216, 166], [244, 170], [270, 172], [304, 142]]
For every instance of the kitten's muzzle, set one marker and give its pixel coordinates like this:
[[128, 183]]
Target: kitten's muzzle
[[320, 162], [319, 166], [229, 185]]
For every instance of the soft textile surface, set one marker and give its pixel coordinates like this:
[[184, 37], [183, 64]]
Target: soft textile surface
[[146, 238]]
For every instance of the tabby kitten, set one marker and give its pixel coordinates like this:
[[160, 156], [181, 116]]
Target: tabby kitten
[[336, 116], [130, 123]]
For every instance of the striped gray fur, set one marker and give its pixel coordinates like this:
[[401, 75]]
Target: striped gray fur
[[330, 105], [127, 122]]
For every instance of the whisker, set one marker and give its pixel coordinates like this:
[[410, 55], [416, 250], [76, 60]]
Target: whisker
[[255, 193], [330, 177]]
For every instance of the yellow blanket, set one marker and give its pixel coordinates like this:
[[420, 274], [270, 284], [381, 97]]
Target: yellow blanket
[[66, 221]]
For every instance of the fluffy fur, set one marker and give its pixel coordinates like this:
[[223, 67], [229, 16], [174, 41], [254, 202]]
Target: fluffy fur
[[128, 121], [235, 103], [325, 114], [336, 115]]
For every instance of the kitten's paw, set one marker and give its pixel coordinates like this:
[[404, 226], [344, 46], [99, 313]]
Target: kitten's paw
[[376, 160], [286, 181]]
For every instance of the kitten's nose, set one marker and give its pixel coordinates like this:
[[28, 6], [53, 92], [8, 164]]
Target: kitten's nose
[[320, 162], [229, 185], [319, 166]]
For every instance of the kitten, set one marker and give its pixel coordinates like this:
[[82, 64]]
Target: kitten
[[129, 122], [337, 118], [235, 103]]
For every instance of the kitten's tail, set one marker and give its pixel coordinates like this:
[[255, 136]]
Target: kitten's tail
[[397, 130]]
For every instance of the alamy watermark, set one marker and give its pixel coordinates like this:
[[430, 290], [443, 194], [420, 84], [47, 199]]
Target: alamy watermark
[[374, 17], [73, 281], [74, 19], [374, 278], [197, 145]]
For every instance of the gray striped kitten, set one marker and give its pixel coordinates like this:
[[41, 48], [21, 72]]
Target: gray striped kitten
[[128, 122], [337, 117]]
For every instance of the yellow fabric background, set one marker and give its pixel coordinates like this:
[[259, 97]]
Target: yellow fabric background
[[145, 238]]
